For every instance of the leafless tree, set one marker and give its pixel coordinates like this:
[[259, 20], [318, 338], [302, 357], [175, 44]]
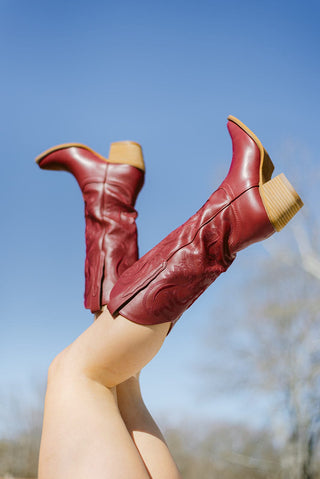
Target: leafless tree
[[224, 451], [19, 444], [273, 336]]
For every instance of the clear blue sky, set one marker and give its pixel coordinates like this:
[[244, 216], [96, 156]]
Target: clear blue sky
[[165, 74]]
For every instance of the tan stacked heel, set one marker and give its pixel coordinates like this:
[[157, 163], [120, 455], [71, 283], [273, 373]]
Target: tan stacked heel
[[128, 152], [281, 201]]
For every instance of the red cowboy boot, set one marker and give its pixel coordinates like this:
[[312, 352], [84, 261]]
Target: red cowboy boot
[[246, 208], [110, 188]]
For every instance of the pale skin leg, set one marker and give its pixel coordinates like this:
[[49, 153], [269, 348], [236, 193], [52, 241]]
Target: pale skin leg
[[144, 431], [84, 434]]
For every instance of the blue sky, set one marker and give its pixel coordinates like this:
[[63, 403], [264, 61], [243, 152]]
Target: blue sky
[[166, 74]]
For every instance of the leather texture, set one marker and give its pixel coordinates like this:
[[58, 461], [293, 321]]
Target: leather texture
[[169, 278], [109, 192]]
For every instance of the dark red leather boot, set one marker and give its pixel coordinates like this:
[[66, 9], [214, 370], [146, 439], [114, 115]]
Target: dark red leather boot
[[248, 207], [110, 188]]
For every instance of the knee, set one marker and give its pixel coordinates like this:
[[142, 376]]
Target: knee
[[70, 365], [60, 366]]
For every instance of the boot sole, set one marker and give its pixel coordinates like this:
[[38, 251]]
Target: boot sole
[[121, 152], [280, 199]]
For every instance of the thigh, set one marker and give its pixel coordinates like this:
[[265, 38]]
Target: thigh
[[113, 349]]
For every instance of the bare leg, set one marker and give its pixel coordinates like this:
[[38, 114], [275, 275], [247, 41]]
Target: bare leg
[[144, 431], [84, 434]]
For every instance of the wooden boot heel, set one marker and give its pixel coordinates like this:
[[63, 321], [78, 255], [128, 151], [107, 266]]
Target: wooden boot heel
[[281, 201]]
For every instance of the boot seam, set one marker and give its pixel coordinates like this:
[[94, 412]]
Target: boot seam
[[133, 292]]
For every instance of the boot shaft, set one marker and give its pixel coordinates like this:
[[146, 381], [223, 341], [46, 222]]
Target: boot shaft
[[243, 210], [110, 188]]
